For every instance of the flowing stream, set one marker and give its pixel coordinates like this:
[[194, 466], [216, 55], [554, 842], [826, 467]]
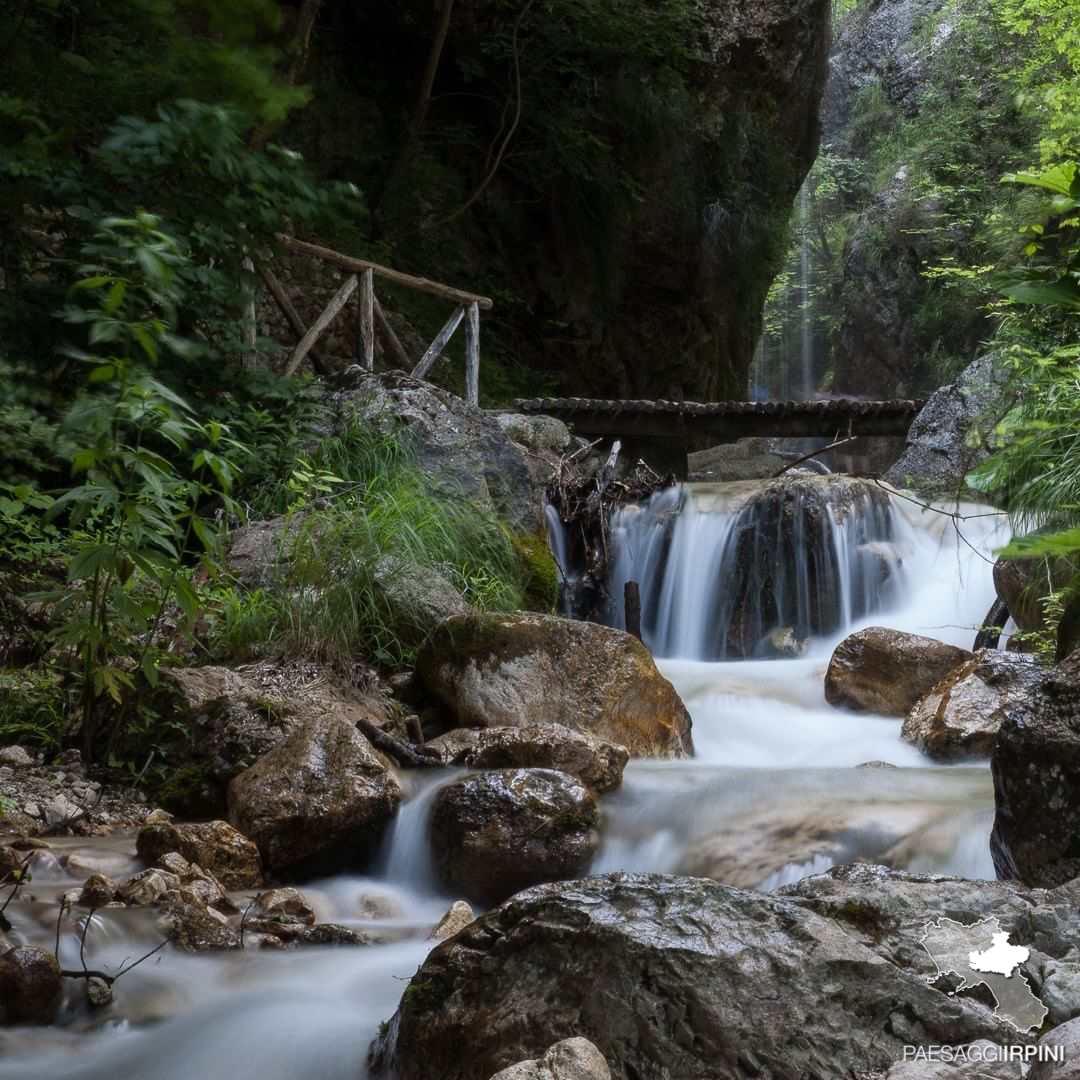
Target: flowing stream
[[774, 792]]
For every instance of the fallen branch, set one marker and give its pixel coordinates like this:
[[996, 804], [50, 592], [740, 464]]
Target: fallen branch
[[405, 754], [813, 453]]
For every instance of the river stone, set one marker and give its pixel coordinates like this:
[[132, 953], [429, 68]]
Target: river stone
[[215, 845], [571, 1059], [148, 886], [1036, 768], [30, 986], [594, 762], [194, 927], [673, 977], [495, 833], [961, 716], [286, 904], [523, 669], [318, 802], [457, 917], [886, 671], [97, 891]]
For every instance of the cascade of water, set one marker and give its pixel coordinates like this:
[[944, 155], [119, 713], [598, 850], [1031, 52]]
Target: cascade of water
[[806, 320]]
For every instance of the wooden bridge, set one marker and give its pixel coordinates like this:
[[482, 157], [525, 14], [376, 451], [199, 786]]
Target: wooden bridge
[[691, 423]]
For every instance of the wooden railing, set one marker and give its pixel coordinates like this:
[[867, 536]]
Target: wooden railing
[[372, 317]]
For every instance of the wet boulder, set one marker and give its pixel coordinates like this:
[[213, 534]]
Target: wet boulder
[[960, 718], [571, 1059], [215, 845], [793, 541], [677, 977], [30, 986], [97, 891], [884, 671], [457, 917], [193, 926], [285, 905], [318, 802], [495, 833], [594, 762], [1036, 769], [519, 670]]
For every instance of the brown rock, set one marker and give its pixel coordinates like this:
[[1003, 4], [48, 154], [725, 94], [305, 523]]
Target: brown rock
[[194, 927], [148, 886], [215, 845], [593, 761], [318, 801], [30, 986], [496, 833], [887, 671], [522, 669], [286, 905], [97, 891], [457, 917], [961, 716]]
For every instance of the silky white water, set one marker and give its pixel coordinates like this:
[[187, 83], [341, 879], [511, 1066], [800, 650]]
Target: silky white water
[[774, 793]]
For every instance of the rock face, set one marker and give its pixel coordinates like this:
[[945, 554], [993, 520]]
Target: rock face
[[961, 716], [596, 763], [463, 451], [317, 802], [30, 986], [887, 671], [495, 833], [1036, 767], [571, 1059], [1065, 1038], [215, 845], [787, 532], [1024, 583], [947, 439], [523, 669], [684, 977]]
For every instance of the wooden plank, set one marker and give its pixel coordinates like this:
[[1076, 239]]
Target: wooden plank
[[472, 356], [359, 266], [435, 349], [303, 347], [387, 331], [367, 320], [292, 316]]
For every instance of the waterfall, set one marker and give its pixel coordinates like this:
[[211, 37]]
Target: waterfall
[[722, 575]]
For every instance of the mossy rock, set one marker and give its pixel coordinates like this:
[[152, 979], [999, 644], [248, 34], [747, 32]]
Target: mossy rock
[[540, 575], [193, 792]]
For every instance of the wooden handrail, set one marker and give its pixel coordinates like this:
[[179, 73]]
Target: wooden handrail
[[360, 266]]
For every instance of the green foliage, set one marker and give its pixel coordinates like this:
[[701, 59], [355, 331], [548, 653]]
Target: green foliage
[[361, 522], [33, 709]]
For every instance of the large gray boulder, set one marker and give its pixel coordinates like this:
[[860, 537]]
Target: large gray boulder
[[961, 716], [886, 671], [463, 451], [683, 977], [522, 669], [1036, 767], [949, 436], [495, 833], [1065, 1041], [317, 802], [596, 763]]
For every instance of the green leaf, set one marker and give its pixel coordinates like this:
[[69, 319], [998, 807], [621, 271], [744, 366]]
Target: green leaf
[[1038, 547]]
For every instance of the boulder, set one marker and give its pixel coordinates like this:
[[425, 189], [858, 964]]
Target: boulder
[[594, 762], [317, 802], [1036, 768], [961, 716], [215, 845], [792, 542], [330, 934], [521, 669], [949, 436], [1023, 584], [888, 671], [571, 1059], [148, 887], [1066, 1041], [495, 833], [414, 598], [463, 451], [17, 756], [97, 891], [684, 977], [192, 926], [30, 986]]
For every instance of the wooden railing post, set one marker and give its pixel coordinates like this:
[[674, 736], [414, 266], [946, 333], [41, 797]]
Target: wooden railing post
[[435, 349], [367, 320], [303, 346], [250, 359], [472, 355]]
